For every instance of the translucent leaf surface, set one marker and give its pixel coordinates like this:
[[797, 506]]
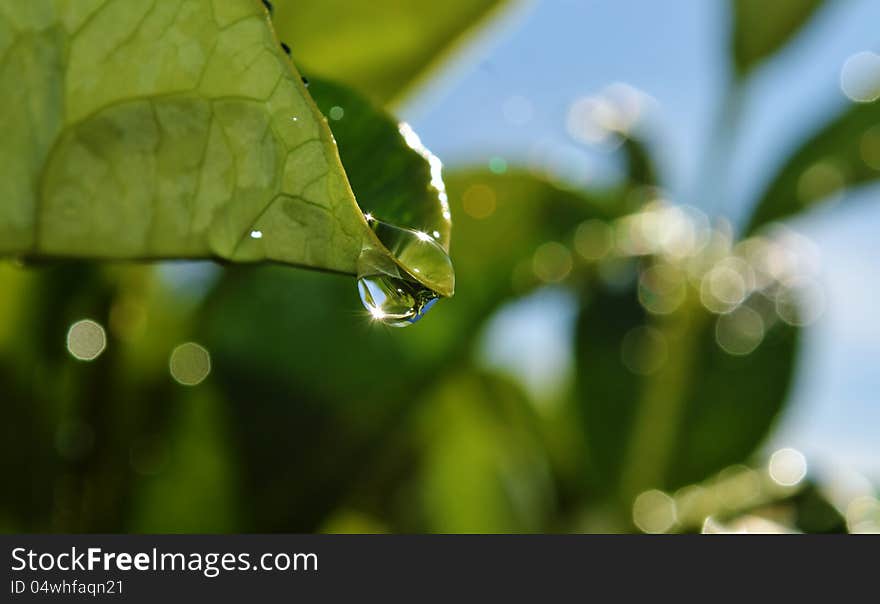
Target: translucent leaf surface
[[163, 130]]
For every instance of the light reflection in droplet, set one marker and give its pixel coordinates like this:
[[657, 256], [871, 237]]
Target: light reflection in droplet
[[787, 467], [860, 77], [654, 512], [86, 340], [189, 364], [255, 234]]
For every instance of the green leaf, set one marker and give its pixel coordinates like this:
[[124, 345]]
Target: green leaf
[[378, 47], [761, 28], [655, 392], [397, 180], [164, 130], [844, 153], [482, 466]]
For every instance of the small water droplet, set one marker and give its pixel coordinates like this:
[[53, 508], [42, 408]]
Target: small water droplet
[[305, 81], [256, 234], [294, 119], [393, 295]]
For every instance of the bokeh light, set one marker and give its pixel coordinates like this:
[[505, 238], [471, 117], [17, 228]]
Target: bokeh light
[[860, 77], [478, 201], [863, 515], [189, 364], [336, 113], [86, 340], [593, 239], [787, 467], [552, 262], [740, 331], [662, 288], [654, 512]]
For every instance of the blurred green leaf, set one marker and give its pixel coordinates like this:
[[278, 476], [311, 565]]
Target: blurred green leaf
[[378, 47], [307, 420], [815, 514], [761, 28], [171, 129], [72, 407], [188, 481], [482, 465], [658, 408], [844, 153]]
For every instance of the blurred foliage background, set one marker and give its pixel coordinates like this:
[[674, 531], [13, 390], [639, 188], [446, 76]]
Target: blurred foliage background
[[262, 399]]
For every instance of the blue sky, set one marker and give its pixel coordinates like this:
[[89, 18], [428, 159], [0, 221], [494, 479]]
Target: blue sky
[[556, 51]]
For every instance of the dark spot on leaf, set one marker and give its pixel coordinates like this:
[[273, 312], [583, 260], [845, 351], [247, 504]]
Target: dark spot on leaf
[[285, 48]]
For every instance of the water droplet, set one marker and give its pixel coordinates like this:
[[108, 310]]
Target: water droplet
[[305, 81], [255, 234], [394, 301], [392, 294]]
